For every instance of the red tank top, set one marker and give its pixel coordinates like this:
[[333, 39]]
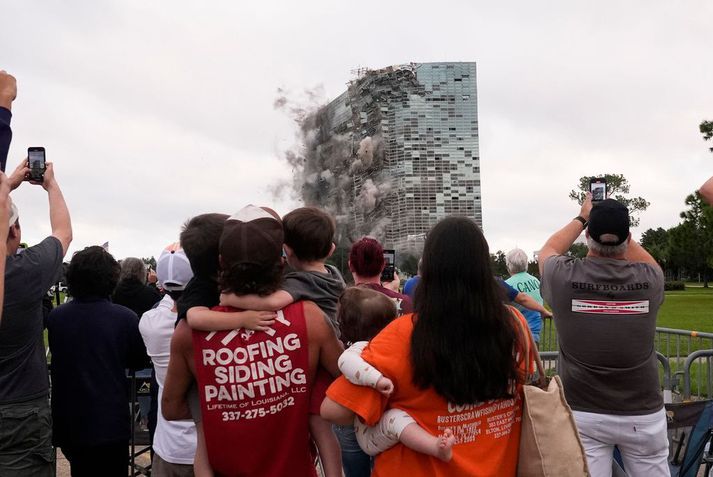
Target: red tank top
[[254, 395]]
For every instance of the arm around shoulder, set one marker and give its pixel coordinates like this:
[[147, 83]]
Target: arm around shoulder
[[201, 318], [273, 302]]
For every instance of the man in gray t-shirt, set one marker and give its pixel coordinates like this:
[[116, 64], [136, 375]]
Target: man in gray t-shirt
[[605, 308], [25, 420]]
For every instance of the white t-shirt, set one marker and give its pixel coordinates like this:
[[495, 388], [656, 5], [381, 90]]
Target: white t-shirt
[[174, 441]]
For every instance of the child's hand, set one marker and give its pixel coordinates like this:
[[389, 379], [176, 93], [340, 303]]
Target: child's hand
[[258, 320], [385, 386]]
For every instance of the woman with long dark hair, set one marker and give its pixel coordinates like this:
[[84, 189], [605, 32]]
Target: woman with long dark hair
[[455, 364]]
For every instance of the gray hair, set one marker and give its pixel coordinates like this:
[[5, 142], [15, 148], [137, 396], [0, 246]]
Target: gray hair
[[607, 251], [516, 261], [133, 267]]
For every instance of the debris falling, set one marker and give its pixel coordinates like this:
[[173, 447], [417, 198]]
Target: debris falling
[[393, 154]]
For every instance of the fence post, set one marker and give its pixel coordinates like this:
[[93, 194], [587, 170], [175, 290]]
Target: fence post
[[687, 370], [667, 394]]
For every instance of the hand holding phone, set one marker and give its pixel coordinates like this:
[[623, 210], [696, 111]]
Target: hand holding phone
[[598, 188], [37, 163], [387, 274]]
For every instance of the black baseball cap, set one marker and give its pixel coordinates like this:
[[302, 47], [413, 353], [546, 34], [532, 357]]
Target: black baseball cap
[[609, 217]]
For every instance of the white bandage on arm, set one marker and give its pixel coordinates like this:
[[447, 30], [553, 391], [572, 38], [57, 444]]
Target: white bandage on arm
[[355, 369], [385, 434]]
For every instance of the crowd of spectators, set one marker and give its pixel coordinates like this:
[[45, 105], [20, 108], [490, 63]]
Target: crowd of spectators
[[243, 328]]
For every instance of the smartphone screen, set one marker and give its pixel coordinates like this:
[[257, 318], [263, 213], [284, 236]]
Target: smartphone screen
[[36, 163], [598, 188], [387, 274]]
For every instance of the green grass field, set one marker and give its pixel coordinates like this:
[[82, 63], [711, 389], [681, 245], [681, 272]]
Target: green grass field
[[691, 309]]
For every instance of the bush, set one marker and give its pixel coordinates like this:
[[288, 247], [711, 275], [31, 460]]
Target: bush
[[674, 286]]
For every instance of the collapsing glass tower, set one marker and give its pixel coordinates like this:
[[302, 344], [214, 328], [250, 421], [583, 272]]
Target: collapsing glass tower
[[396, 152]]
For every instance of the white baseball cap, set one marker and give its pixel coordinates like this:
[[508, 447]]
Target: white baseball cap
[[173, 268]]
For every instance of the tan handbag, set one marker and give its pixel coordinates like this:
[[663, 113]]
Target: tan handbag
[[549, 441]]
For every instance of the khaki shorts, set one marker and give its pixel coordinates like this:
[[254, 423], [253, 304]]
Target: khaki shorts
[[161, 468]]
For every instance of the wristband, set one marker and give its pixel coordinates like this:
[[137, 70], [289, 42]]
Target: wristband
[[583, 221]]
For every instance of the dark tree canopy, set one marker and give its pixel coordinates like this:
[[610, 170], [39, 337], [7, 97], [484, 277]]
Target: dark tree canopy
[[340, 259], [150, 262], [617, 188], [691, 243], [497, 262], [578, 250], [706, 129], [407, 263], [656, 242]]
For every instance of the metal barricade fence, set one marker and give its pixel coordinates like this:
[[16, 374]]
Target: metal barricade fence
[[698, 375], [548, 335]]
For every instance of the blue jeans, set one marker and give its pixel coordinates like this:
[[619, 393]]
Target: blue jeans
[[26, 439], [355, 461]]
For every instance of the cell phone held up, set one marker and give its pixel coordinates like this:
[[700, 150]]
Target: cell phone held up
[[37, 163], [387, 275], [598, 188]]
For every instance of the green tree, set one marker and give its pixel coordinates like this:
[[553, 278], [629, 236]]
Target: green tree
[[656, 242], [578, 250], [682, 254], [150, 262], [692, 242], [706, 129], [617, 188], [497, 263], [407, 263], [533, 268], [340, 259]]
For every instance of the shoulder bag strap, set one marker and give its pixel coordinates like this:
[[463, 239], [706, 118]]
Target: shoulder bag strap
[[528, 343]]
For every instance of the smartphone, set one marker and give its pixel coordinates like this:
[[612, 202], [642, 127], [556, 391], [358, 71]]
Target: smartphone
[[387, 274], [598, 188], [37, 163]]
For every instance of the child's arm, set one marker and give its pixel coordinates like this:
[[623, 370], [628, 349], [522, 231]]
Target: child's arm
[[359, 372], [202, 318], [273, 302]]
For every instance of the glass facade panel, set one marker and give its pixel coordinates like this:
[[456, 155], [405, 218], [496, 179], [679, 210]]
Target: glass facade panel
[[421, 121]]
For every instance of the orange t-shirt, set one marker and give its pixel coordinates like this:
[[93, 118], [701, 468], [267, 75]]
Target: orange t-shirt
[[487, 434]]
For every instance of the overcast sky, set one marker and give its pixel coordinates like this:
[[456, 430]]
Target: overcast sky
[[156, 111]]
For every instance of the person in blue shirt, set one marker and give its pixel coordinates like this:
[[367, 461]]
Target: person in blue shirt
[[410, 285], [523, 282]]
